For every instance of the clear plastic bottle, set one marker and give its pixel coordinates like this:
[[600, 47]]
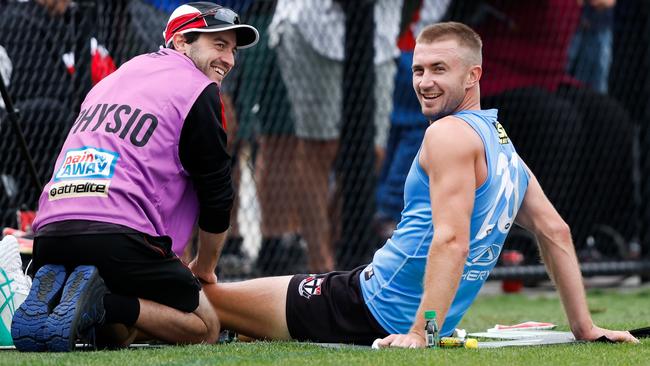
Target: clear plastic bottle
[[431, 329]]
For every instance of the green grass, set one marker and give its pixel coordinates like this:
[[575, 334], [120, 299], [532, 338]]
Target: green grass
[[609, 308]]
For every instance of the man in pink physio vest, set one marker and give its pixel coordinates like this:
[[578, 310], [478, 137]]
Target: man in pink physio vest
[[144, 161]]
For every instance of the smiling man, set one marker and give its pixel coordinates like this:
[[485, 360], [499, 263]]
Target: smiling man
[[465, 189], [144, 161]]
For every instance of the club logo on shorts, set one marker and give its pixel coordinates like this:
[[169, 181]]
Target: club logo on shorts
[[310, 286], [368, 272]]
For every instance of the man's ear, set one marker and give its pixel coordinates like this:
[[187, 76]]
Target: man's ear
[[474, 75], [179, 42]]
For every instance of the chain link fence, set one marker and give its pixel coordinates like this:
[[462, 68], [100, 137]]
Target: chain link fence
[[324, 123]]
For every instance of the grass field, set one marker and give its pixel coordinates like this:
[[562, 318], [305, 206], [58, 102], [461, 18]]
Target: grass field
[[610, 308]]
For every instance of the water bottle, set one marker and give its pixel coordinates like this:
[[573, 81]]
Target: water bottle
[[431, 329]]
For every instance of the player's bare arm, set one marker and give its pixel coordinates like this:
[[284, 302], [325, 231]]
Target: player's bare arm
[[451, 167], [538, 215]]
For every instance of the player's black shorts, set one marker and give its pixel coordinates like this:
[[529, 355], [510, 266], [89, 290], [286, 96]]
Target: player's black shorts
[[329, 308], [131, 265]]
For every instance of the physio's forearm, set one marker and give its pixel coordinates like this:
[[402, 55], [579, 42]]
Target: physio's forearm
[[210, 245]]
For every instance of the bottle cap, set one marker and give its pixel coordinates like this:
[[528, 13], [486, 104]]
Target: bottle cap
[[430, 314], [471, 343]]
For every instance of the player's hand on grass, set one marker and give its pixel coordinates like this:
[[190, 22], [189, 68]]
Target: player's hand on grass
[[595, 334], [203, 273], [410, 340]]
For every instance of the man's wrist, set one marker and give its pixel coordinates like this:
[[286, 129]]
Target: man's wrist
[[580, 331], [419, 332], [205, 265]]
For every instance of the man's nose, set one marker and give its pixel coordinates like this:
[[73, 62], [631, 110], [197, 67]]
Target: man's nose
[[427, 81], [228, 58]]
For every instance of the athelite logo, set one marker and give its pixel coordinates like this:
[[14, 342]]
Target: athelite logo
[[78, 188], [87, 162], [310, 286]]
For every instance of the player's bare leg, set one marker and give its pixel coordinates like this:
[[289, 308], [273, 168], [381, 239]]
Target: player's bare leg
[[174, 326], [256, 308]]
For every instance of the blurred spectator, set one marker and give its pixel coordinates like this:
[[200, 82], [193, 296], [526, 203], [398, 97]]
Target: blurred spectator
[[6, 66], [49, 26], [43, 89], [630, 85], [265, 120], [407, 121], [590, 53], [564, 130], [309, 36]]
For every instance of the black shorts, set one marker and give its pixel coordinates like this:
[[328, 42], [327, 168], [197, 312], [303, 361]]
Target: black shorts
[[329, 308], [137, 265]]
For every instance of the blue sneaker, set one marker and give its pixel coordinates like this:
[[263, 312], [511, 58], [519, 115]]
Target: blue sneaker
[[81, 309], [28, 325]]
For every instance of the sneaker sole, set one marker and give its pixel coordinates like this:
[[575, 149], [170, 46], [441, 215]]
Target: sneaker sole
[[28, 324], [78, 310]]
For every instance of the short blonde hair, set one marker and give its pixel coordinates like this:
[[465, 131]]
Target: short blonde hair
[[464, 35]]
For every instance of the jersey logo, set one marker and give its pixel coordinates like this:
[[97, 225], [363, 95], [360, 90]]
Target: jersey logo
[[483, 255], [310, 286], [503, 136]]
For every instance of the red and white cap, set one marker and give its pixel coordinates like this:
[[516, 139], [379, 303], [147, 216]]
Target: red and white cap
[[204, 16]]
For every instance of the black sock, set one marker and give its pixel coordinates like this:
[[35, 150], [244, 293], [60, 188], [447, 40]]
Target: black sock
[[121, 309]]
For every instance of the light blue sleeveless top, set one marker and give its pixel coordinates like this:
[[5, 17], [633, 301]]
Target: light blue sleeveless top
[[392, 284]]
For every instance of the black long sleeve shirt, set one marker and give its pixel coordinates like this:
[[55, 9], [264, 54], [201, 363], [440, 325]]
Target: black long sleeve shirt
[[203, 152]]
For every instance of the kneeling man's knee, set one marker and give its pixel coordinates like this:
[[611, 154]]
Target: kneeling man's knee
[[208, 315]]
